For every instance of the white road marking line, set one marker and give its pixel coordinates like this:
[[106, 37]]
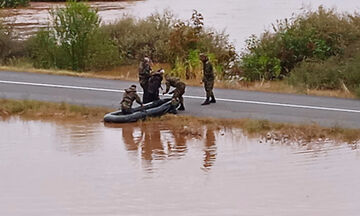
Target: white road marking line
[[185, 96], [61, 86]]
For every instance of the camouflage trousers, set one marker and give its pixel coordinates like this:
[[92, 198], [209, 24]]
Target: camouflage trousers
[[209, 85], [178, 94], [143, 84]]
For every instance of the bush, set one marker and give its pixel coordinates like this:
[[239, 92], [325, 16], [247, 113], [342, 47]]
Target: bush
[[9, 47], [352, 74], [312, 35], [190, 37], [169, 40], [332, 73], [44, 51], [138, 37], [318, 75], [13, 3], [73, 41]]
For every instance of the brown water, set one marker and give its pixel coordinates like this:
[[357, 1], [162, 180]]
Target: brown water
[[59, 168], [240, 18]]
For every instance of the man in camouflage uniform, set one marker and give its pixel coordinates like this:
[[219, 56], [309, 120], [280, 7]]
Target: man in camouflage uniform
[[128, 98], [154, 84], [208, 79], [144, 74], [177, 92]]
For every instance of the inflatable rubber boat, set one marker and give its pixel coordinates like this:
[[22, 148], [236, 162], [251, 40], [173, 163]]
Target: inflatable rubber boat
[[155, 108]]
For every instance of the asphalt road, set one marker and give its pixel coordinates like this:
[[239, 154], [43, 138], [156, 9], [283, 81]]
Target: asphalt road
[[232, 104]]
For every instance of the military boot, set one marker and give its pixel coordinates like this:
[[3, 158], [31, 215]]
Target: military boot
[[206, 102], [213, 99], [173, 109], [181, 108]]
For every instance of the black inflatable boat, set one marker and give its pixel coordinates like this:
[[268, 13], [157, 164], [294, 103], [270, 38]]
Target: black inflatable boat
[[155, 108]]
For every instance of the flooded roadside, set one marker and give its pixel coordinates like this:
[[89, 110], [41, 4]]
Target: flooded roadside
[[240, 18], [79, 168]]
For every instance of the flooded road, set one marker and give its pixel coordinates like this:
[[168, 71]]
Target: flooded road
[[240, 18], [77, 168]]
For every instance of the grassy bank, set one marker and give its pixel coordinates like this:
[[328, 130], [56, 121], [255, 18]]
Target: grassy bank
[[185, 124], [47, 110], [268, 130]]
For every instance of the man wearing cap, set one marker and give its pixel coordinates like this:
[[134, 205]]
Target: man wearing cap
[[208, 79], [128, 98], [177, 92], [144, 74]]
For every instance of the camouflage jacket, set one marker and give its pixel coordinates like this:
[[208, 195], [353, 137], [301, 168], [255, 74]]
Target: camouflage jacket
[[208, 72], [174, 82], [129, 96], [144, 71]]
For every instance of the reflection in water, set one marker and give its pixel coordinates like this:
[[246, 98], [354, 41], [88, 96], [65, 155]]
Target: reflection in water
[[81, 138], [210, 150], [78, 168], [160, 142], [152, 146]]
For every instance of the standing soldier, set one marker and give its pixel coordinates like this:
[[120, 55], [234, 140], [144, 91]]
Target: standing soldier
[[128, 98], [208, 79], [144, 74], [178, 91]]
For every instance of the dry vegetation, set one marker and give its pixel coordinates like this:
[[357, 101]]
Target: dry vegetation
[[37, 109], [266, 129]]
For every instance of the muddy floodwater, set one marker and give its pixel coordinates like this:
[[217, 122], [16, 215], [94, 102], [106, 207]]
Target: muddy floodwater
[[240, 18], [77, 168]]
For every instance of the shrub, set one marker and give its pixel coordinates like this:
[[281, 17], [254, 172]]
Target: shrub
[[169, 40], [312, 35], [138, 37], [318, 74], [44, 50], [352, 73], [9, 47], [190, 37], [73, 41], [332, 73]]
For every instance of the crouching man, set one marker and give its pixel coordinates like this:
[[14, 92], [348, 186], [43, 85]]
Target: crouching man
[[128, 98], [177, 92], [154, 84]]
